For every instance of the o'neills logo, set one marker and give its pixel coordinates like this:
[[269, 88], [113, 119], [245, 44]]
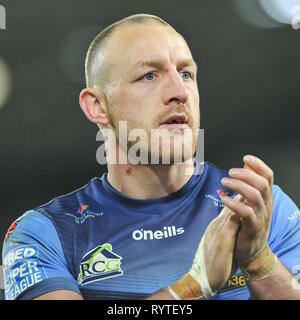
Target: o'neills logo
[[167, 232]]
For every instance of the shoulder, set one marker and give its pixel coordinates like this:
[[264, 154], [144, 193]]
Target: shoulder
[[209, 171], [33, 259], [214, 170], [27, 228], [286, 215], [66, 202], [284, 237], [211, 179]]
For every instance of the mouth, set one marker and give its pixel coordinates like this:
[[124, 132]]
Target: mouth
[[177, 121]]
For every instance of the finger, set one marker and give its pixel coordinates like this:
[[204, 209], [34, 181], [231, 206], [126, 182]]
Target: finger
[[255, 180], [241, 209], [259, 167], [230, 217], [249, 193], [227, 222]]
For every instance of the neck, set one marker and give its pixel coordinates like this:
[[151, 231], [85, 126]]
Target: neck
[[149, 181]]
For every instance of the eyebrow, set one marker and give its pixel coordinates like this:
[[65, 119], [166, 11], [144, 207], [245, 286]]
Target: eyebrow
[[155, 63]]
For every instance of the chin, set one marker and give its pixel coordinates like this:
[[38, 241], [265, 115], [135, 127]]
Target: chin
[[175, 156]]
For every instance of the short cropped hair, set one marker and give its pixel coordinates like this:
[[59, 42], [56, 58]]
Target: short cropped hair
[[95, 72]]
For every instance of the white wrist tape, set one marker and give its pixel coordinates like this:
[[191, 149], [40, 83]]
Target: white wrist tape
[[198, 271], [173, 294]]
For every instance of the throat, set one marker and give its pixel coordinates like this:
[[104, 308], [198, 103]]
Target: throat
[[149, 182]]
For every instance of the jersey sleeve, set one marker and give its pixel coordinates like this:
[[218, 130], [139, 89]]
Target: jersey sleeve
[[284, 238], [33, 259]]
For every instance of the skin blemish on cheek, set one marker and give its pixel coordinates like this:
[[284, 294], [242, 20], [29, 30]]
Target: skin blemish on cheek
[[166, 70], [128, 171]]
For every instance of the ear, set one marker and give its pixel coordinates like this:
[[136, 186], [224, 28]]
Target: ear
[[93, 103]]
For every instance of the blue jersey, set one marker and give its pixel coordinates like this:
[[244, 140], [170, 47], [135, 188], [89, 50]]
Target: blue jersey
[[104, 245]]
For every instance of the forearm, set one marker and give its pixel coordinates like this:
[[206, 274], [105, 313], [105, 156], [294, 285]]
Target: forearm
[[280, 285], [162, 294], [185, 288]]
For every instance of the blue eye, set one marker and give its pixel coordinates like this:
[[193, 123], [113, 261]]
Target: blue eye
[[148, 76], [185, 75]]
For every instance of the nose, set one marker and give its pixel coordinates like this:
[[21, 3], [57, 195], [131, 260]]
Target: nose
[[175, 90]]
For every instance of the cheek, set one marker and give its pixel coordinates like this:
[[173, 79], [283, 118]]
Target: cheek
[[137, 108], [195, 108], [123, 95], [195, 98], [118, 95], [126, 99]]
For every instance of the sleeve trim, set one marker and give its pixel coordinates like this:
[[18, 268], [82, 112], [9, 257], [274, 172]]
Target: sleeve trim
[[48, 285]]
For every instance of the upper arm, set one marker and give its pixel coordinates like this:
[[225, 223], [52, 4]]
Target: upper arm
[[60, 295], [33, 260]]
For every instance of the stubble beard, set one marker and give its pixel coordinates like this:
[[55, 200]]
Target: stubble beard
[[154, 151]]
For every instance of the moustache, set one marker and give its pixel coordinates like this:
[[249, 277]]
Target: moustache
[[178, 109]]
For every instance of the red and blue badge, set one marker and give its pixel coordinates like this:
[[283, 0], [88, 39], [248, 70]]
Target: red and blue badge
[[12, 228]]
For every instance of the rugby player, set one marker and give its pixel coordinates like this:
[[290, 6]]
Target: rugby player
[[150, 229]]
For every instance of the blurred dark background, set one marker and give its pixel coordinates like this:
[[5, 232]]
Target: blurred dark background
[[249, 75]]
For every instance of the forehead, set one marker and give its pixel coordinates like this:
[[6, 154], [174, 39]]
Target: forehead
[[131, 45]]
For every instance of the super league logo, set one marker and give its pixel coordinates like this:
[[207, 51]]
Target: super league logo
[[2, 18]]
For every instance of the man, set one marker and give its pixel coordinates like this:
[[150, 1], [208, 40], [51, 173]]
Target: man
[[147, 229]]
